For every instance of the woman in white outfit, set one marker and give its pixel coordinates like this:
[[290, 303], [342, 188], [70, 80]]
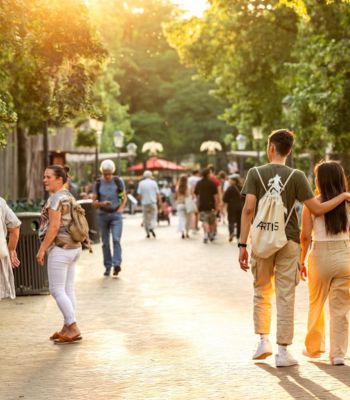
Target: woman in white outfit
[[9, 224], [62, 251], [183, 194], [328, 266]]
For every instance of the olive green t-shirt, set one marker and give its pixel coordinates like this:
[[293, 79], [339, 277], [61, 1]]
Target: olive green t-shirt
[[298, 188]]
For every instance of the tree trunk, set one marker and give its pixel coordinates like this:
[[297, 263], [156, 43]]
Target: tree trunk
[[21, 162]]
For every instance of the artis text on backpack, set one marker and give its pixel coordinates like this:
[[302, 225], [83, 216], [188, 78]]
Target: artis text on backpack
[[268, 229]]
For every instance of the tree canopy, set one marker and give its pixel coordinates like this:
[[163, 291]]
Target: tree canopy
[[164, 102], [257, 53]]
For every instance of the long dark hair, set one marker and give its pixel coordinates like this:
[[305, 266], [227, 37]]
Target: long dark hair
[[182, 185], [60, 171], [331, 181]]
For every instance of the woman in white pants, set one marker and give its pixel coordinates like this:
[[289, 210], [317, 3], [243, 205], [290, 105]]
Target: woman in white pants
[[63, 252], [328, 266], [182, 195]]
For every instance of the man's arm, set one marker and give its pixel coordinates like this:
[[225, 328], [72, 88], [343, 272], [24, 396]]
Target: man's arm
[[246, 220], [318, 208], [217, 202], [123, 202]]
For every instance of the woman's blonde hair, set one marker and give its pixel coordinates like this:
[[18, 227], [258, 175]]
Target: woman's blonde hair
[[182, 186]]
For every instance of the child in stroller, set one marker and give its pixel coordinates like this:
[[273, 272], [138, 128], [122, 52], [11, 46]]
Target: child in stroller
[[164, 209]]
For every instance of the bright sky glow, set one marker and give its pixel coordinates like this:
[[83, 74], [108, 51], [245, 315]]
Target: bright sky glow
[[194, 7]]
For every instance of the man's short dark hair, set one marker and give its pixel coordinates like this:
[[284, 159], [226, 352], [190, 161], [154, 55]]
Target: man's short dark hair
[[205, 173], [283, 140], [195, 172], [211, 168]]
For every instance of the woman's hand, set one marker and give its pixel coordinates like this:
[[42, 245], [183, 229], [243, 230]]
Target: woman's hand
[[347, 196], [40, 257], [14, 259], [303, 272]]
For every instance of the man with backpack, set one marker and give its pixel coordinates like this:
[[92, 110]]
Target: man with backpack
[[109, 198], [271, 192]]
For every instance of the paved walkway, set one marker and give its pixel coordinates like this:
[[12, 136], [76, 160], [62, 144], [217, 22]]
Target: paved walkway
[[176, 325]]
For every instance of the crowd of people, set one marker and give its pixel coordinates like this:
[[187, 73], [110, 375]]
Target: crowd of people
[[264, 205]]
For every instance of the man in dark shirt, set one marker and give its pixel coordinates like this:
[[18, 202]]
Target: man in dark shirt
[[208, 204], [234, 202]]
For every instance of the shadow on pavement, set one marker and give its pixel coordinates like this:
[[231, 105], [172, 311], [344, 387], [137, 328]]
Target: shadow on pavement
[[296, 385], [341, 373]]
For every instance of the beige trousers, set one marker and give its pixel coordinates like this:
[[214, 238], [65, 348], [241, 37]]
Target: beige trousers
[[329, 277], [278, 273], [149, 216]]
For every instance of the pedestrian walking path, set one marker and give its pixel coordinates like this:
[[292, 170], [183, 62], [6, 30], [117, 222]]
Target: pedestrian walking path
[[176, 325]]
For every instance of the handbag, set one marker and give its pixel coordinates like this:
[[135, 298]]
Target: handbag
[[190, 205]]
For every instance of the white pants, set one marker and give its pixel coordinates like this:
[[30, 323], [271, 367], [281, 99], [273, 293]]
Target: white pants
[[184, 218], [61, 272]]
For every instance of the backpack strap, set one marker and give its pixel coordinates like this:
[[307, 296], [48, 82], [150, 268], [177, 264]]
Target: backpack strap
[[98, 184], [261, 180], [293, 208], [118, 182], [290, 175], [290, 213]]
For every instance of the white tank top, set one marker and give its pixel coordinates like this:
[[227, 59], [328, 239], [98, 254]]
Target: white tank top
[[319, 233]]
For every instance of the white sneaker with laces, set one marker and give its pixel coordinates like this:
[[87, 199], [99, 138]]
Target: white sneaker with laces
[[285, 359], [338, 361], [264, 349]]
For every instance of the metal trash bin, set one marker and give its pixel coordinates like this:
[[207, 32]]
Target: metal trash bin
[[30, 277], [91, 217]]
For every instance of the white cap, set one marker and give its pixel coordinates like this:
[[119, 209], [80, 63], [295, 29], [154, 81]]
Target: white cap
[[147, 174], [107, 165], [234, 176]]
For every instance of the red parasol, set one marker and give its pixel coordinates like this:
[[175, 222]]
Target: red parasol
[[155, 163]]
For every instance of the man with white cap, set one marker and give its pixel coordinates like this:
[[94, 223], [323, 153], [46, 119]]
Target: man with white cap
[[109, 198], [149, 193]]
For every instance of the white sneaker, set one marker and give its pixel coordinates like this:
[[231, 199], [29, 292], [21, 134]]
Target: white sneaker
[[338, 361], [285, 359], [264, 349]]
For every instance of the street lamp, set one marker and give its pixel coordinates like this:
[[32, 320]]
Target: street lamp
[[96, 127], [211, 147], [287, 108], [287, 105], [118, 138], [131, 150], [241, 145], [152, 148], [257, 135]]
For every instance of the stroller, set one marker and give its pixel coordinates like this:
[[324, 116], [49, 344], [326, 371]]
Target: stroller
[[164, 210]]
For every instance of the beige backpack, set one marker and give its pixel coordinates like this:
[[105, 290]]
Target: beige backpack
[[268, 233], [74, 220]]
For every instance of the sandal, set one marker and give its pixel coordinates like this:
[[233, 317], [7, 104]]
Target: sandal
[[54, 336], [67, 340]]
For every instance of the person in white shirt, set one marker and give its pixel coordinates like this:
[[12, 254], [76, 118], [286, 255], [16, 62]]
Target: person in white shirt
[[328, 266], [149, 193]]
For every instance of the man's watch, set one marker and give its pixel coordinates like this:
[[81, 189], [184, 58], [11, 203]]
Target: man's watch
[[242, 245]]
